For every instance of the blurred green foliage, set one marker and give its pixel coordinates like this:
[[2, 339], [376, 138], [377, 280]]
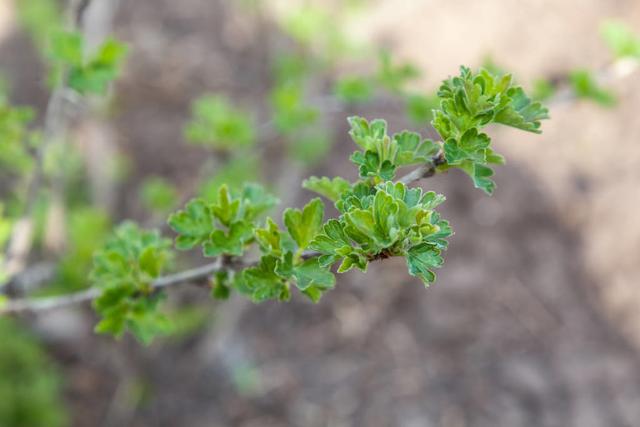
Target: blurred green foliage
[[124, 269], [87, 230], [215, 123], [158, 194], [395, 77], [5, 232], [354, 89], [29, 383], [234, 173], [623, 41], [42, 19], [542, 89], [585, 86], [87, 73], [15, 155]]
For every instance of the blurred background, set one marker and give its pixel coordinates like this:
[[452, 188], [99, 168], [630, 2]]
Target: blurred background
[[535, 317]]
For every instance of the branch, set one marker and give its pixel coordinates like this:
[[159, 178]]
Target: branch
[[188, 276], [48, 303]]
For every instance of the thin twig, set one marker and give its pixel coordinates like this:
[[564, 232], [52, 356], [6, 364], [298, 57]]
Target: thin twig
[[48, 303], [187, 276]]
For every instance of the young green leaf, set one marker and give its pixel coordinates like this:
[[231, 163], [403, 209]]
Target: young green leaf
[[124, 269], [194, 225], [304, 224], [421, 260], [329, 188], [311, 274], [229, 243]]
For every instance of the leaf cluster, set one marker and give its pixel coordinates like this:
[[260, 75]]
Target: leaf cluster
[[85, 73], [381, 155], [224, 227], [124, 269], [283, 262], [468, 103], [382, 221]]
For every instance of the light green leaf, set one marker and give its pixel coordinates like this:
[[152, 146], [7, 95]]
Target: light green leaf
[[311, 274], [421, 259], [304, 225], [230, 243], [193, 225], [329, 188]]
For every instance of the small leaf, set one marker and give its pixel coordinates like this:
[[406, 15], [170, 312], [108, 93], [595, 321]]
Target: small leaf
[[304, 225], [329, 188], [150, 261], [230, 243], [311, 274], [421, 259], [225, 209], [193, 225]]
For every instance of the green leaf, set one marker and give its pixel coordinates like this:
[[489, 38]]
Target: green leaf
[[364, 133], [261, 283], [480, 175], [421, 259], [412, 149], [225, 209], [331, 239], [304, 225], [269, 238], [124, 269], [311, 274], [329, 188], [230, 243], [194, 225], [361, 227], [255, 201], [370, 165], [471, 146], [522, 112], [151, 261]]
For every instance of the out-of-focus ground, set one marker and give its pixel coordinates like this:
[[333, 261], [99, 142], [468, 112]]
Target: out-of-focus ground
[[534, 320]]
